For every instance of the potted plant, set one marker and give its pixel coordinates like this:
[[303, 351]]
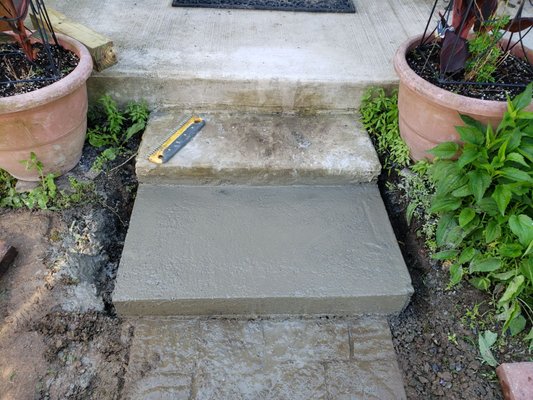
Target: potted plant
[[43, 94], [455, 70]]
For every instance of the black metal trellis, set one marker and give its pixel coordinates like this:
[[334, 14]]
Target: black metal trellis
[[428, 37], [44, 31]]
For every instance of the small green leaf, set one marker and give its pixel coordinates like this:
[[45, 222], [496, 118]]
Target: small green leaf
[[517, 158], [479, 181], [522, 226], [513, 289], [480, 283], [512, 250], [523, 99], [505, 276], [456, 274], [489, 206], [471, 134], [502, 196], [468, 155], [445, 150], [517, 325], [516, 175], [446, 222], [485, 341], [466, 255], [462, 191], [493, 231], [466, 215], [526, 269], [485, 265], [445, 255], [446, 204]]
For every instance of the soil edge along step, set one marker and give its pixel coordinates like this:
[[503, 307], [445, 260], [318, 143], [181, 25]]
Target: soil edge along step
[[267, 241]]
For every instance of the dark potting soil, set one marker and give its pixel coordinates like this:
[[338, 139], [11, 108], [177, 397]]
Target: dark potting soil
[[424, 60], [14, 66]]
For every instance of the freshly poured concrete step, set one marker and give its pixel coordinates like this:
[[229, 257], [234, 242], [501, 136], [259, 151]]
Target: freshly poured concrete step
[[219, 250], [205, 58], [262, 149]]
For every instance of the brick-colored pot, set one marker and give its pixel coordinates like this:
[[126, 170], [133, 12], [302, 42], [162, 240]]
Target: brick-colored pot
[[428, 114], [50, 122]]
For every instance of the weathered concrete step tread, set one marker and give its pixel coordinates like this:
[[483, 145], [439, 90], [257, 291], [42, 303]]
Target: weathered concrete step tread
[[268, 359], [262, 149], [244, 58], [220, 250]]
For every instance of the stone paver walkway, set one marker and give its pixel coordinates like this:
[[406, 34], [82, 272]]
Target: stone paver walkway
[[318, 358]]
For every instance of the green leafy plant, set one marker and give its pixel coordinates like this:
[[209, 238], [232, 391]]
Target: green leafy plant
[[456, 52], [484, 200], [46, 195], [116, 128], [379, 115], [485, 54]]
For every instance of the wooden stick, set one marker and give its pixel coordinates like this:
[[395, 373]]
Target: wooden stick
[[101, 47]]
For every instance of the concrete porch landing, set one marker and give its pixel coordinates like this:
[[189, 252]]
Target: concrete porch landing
[[205, 58]]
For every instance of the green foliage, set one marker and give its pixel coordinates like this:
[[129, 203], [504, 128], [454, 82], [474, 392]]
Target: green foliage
[[112, 132], [486, 340], [418, 191], [484, 200], [46, 195], [379, 115], [485, 54]]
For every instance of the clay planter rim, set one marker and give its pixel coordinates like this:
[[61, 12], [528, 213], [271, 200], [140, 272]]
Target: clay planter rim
[[56, 90], [443, 97]]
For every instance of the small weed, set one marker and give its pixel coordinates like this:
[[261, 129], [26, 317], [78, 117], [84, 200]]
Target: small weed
[[113, 128], [45, 196], [452, 338], [379, 115]]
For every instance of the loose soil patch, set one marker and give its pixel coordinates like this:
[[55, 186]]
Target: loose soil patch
[[14, 66], [424, 61], [59, 335]]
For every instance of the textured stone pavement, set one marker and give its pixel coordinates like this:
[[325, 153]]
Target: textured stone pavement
[[318, 358]]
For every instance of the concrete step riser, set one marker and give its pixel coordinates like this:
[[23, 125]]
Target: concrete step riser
[[241, 250], [259, 96]]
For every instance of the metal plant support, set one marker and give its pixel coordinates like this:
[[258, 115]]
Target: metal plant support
[[44, 31], [443, 25]]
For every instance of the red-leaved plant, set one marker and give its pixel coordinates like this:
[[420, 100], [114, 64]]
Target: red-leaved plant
[[12, 15], [468, 14]]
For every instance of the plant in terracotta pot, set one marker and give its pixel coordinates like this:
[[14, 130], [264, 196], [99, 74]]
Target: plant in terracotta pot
[[472, 61], [43, 94]]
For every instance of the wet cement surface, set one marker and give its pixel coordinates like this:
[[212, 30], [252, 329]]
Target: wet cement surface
[[282, 358]]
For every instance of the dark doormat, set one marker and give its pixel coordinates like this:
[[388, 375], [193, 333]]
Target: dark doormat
[[330, 6]]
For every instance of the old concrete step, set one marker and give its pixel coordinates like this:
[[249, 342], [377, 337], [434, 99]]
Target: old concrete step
[[256, 250], [269, 359], [262, 149], [276, 61]]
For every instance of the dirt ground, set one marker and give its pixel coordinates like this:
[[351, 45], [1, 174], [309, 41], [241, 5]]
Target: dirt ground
[[59, 335]]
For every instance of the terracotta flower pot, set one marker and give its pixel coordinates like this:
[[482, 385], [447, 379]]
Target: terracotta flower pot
[[428, 114], [50, 122]]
